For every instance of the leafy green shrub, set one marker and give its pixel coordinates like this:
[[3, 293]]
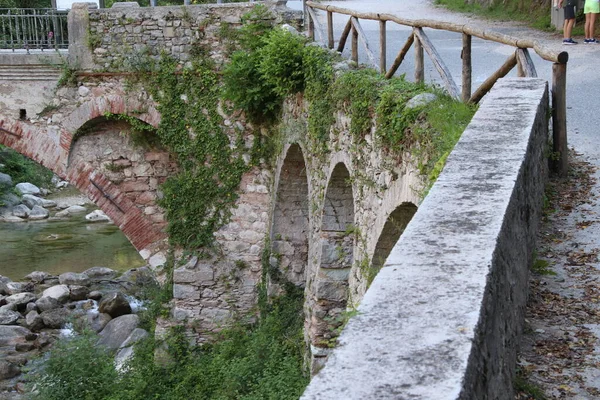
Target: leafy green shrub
[[76, 369], [281, 61], [22, 169]]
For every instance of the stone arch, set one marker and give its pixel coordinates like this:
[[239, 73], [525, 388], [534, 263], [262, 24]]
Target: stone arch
[[122, 177], [391, 232], [289, 232], [330, 292]]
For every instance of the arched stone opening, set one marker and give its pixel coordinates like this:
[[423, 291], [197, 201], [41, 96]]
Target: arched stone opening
[[289, 234], [392, 230], [337, 258], [121, 169]]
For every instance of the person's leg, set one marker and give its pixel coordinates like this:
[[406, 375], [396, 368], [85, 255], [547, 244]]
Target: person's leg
[[587, 25], [569, 23], [592, 25]]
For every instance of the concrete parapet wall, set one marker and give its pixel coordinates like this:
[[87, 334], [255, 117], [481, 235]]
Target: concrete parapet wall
[[442, 318]]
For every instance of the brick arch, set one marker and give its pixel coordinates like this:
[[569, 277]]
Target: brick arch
[[121, 179], [290, 226], [392, 230]]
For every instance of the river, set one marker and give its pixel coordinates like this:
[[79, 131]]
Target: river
[[71, 245]]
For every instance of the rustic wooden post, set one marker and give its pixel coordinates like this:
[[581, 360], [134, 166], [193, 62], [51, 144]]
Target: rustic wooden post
[[559, 118], [467, 69], [419, 60], [382, 47], [311, 26], [354, 44], [331, 41]]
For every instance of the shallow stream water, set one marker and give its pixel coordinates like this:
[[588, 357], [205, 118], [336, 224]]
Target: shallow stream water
[[63, 246]]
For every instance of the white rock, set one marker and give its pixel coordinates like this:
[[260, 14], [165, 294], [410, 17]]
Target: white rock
[[420, 100], [38, 213], [97, 216], [58, 292], [30, 200], [28, 188], [83, 91]]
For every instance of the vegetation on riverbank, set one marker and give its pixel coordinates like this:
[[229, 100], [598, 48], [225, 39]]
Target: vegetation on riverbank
[[22, 169], [252, 362], [535, 13]]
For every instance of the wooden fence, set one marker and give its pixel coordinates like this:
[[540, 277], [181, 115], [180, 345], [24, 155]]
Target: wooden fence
[[421, 42]]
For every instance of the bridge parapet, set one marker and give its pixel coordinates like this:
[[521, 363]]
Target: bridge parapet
[[442, 318], [120, 38]]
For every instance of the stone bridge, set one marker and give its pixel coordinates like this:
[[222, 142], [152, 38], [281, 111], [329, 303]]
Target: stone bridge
[[326, 220]]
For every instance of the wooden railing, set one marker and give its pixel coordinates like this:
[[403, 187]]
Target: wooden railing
[[520, 59]]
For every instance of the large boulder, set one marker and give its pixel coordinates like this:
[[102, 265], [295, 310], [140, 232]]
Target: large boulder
[[9, 317], [73, 278], [48, 303], [21, 211], [34, 321], [8, 370], [100, 273], [19, 287], [97, 216], [20, 300], [10, 335], [28, 188], [73, 210], [114, 304], [55, 319], [38, 212], [38, 276], [125, 352], [58, 292], [95, 321], [5, 181], [117, 331], [79, 292], [10, 199], [30, 200]]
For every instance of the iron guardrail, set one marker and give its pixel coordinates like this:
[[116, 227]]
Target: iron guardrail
[[33, 28]]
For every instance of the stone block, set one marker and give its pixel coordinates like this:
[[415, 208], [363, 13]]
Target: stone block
[[185, 292]]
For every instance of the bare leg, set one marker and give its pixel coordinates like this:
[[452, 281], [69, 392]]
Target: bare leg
[[568, 28]]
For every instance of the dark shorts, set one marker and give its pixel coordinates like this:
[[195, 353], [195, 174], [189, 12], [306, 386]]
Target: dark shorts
[[569, 12]]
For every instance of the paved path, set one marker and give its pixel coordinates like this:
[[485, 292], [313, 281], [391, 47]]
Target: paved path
[[575, 232]]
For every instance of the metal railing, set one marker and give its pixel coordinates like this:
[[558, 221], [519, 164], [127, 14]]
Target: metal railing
[[33, 28]]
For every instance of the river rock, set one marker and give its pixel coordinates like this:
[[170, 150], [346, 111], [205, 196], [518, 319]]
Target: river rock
[[30, 200], [30, 307], [95, 295], [79, 292], [73, 278], [38, 212], [97, 216], [114, 304], [19, 287], [9, 317], [58, 292], [135, 336], [5, 181], [96, 322], [10, 335], [8, 307], [100, 273], [125, 352], [38, 276], [47, 303], [21, 211], [8, 370], [34, 321], [20, 300], [420, 100], [55, 319], [72, 210], [117, 331], [28, 188]]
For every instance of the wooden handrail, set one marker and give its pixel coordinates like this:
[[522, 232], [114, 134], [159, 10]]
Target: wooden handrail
[[545, 53], [421, 42]]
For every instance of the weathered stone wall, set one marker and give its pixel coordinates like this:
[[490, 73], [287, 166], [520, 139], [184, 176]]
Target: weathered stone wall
[[441, 319], [121, 37]]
